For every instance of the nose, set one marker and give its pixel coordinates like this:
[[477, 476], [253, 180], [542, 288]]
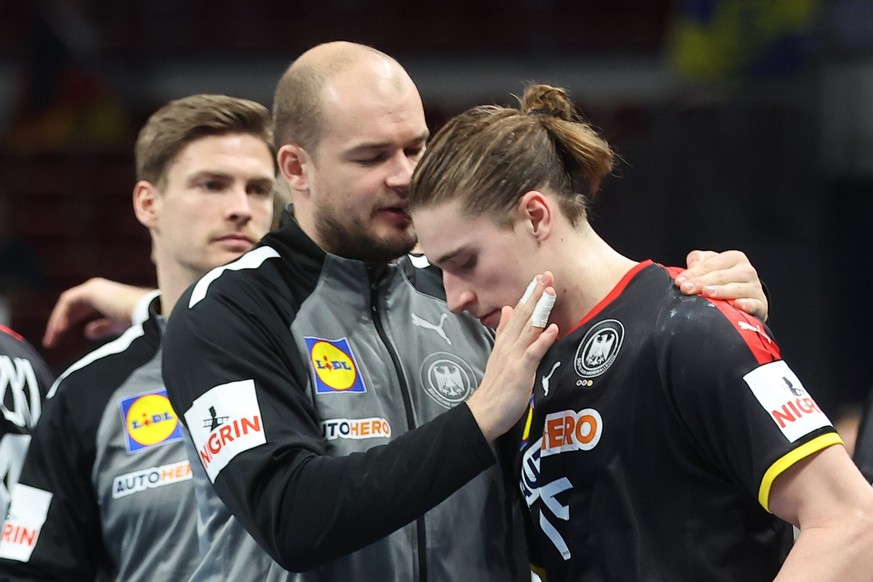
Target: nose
[[458, 296], [398, 179], [239, 208]]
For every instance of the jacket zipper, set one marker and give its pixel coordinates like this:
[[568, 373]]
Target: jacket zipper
[[407, 405]]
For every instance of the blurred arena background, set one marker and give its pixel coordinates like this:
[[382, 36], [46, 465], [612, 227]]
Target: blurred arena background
[[741, 123]]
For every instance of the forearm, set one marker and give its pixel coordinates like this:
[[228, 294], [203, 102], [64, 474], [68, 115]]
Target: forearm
[[825, 495], [841, 552], [321, 508]]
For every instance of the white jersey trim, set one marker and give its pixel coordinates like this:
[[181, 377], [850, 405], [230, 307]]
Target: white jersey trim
[[250, 260], [114, 347]]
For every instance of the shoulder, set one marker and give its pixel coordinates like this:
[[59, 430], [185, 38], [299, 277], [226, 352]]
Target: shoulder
[[707, 325], [235, 307], [252, 270], [424, 277], [14, 345], [14, 348], [104, 369]]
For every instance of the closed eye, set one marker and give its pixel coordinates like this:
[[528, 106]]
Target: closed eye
[[414, 152], [372, 160], [467, 265]]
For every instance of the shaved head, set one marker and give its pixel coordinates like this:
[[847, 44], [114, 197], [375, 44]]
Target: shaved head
[[304, 89]]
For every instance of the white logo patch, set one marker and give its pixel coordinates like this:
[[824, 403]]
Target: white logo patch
[[567, 431], [223, 423], [355, 428], [786, 401], [24, 521], [131, 483]]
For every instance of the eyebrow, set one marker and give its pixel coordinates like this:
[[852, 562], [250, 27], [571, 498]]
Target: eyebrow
[[222, 175], [374, 146], [441, 260]]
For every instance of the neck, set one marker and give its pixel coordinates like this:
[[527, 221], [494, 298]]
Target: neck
[[172, 282], [589, 270]]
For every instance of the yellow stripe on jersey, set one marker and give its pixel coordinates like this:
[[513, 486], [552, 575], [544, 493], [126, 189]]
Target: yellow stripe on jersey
[[783, 463], [527, 422]]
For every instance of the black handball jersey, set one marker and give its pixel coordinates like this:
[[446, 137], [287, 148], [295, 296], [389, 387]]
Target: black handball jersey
[[25, 380], [657, 428]]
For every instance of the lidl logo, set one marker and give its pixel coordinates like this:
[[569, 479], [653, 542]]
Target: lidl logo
[[334, 366], [149, 420]]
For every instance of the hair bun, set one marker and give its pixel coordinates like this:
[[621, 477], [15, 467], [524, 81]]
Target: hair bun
[[544, 112], [548, 101]]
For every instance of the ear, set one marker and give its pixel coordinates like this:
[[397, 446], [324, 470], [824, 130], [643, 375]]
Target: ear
[[147, 203], [293, 162], [537, 213]]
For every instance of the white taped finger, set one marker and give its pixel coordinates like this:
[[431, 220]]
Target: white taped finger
[[529, 291], [543, 308]]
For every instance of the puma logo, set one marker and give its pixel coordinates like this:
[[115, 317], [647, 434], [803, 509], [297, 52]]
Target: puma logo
[[546, 379], [756, 328], [416, 320]]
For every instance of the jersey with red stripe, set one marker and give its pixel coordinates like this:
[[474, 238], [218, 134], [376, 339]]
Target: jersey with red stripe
[[657, 428]]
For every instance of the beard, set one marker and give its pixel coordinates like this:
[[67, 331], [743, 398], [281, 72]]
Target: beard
[[352, 239]]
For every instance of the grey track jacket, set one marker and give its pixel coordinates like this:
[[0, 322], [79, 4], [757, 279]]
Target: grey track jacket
[[322, 399]]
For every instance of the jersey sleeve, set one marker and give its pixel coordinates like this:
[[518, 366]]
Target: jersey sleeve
[[235, 378], [52, 529], [745, 409]]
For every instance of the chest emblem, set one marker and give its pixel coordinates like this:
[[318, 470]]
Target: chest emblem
[[334, 367], [599, 348], [149, 420], [447, 379]]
